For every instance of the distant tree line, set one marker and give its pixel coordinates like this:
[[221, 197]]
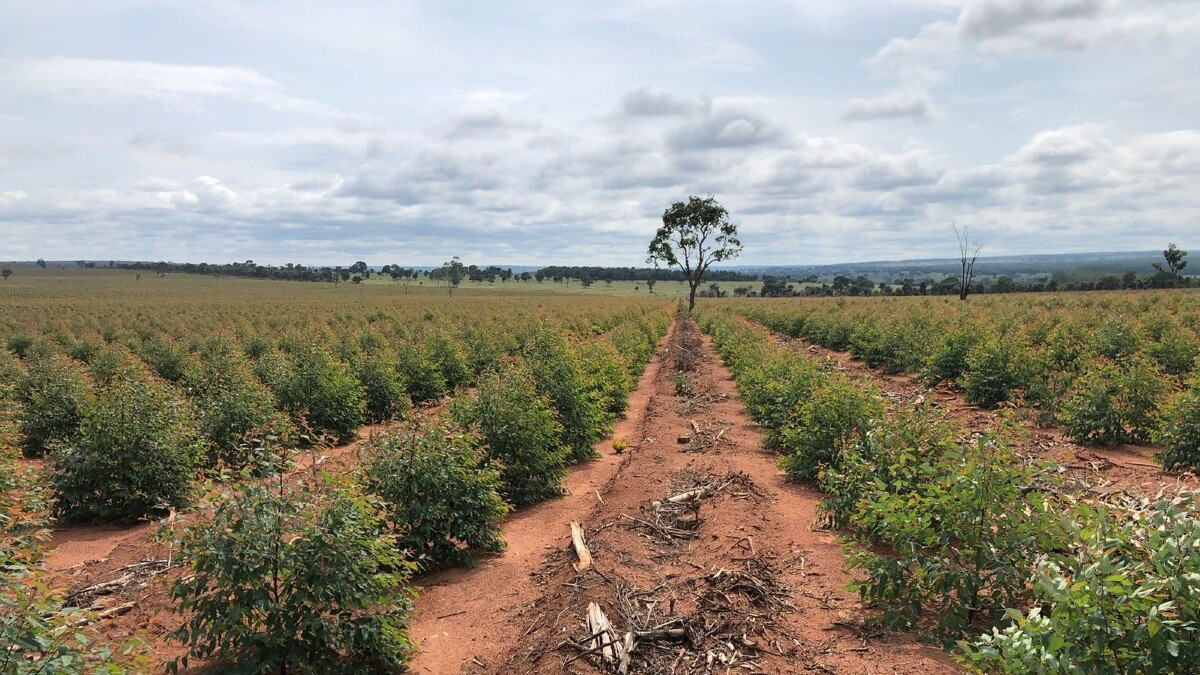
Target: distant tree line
[[1168, 274], [634, 274]]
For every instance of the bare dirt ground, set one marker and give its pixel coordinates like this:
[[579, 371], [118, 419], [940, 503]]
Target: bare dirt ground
[[736, 580], [1123, 468]]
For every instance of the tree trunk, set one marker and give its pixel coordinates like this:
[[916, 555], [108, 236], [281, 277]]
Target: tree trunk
[[692, 295]]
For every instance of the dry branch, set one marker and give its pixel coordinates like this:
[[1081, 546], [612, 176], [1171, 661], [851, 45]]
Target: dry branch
[[581, 549]]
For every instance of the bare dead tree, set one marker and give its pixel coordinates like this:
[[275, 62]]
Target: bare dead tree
[[968, 253]]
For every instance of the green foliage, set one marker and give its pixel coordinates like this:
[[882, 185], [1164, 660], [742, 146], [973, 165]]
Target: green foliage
[[522, 433], [53, 393], [836, 414], [386, 395], [948, 360], [895, 346], [316, 388], [294, 575], [894, 452], [1116, 338], [994, 372], [1179, 429], [1124, 602], [1175, 351], [39, 633], [1114, 403], [233, 409], [960, 553], [442, 496], [167, 359], [448, 354], [606, 376], [422, 375], [556, 369], [133, 456]]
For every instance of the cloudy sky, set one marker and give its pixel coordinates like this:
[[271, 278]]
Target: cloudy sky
[[550, 131]]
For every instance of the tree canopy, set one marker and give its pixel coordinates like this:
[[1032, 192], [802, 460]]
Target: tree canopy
[[694, 235]]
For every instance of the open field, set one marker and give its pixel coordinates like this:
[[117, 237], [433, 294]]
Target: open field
[[844, 476]]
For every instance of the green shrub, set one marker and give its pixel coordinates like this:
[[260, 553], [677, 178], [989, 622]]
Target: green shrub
[[133, 456], [422, 375], [450, 357], [106, 362], [994, 372], [233, 409], [20, 344], [1114, 403], [1179, 429], [1125, 602], [894, 452], [294, 576], [838, 412], [773, 387], [316, 388], [606, 376], [443, 498], [556, 369], [167, 359], [53, 393], [522, 433], [959, 552], [1175, 351], [948, 360], [386, 396], [1116, 338]]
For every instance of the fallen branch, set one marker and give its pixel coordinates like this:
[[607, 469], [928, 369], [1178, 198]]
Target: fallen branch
[[684, 496], [581, 549]]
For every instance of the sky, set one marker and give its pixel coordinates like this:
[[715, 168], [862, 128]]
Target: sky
[[557, 132]]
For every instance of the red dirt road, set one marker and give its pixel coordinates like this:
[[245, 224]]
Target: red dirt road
[[515, 612]]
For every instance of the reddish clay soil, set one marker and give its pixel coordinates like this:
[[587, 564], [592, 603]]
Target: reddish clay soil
[[1131, 469], [743, 571]]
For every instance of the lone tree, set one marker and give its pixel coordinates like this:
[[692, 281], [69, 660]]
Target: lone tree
[[968, 253], [1172, 266], [451, 273], [693, 236], [41, 262], [6, 273]]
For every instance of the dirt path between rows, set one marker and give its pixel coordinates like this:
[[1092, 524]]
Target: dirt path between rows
[[737, 580], [1124, 468]]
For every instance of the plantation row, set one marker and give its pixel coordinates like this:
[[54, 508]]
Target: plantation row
[[1059, 585], [1111, 369], [300, 569], [126, 415], [965, 541]]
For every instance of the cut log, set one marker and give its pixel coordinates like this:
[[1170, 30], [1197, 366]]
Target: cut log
[[604, 639], [684, 496], [581, 549], [683, 440]]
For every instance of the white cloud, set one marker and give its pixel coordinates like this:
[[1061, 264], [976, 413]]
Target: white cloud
[[1023, 28], [184, 87], [915, 105], [551, 132]]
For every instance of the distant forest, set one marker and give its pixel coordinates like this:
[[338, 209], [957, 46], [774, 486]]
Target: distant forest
[[1010, 274]]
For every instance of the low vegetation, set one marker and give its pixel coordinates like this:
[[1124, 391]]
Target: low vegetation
[[966, 542]]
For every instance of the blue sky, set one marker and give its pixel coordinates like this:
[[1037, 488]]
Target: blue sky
[[535, 132]]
